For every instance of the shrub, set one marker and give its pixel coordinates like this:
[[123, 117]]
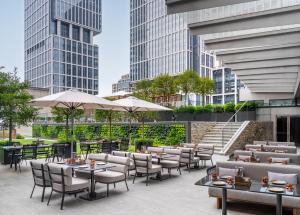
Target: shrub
[[229, 107], [142, 142], [185, 109], [218, 109], [249, 106], [199, 109], [19, 137], [208, 108]]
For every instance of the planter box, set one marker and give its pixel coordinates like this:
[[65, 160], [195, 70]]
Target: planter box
[[246, 116]]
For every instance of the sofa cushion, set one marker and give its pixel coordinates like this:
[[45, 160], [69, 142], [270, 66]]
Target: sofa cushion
[[227, 172], [77, 184], [289, 178], [280, 160], [245, 158], [261, 198]]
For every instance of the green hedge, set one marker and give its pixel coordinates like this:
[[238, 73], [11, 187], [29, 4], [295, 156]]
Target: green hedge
[[229, 107], [160, 134]]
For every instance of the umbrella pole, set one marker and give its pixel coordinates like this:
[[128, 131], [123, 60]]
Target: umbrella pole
[[72, 131]]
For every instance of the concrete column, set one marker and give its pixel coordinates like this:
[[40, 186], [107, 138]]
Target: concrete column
[[58, 27], [81, 34], [91, 37], [70, 31]]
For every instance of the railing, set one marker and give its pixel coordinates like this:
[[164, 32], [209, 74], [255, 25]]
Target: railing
[[227, 126]]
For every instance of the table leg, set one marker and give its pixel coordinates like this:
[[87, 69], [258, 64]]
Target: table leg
[[278, 204], [92, 195], [92, 191], [224, 201]]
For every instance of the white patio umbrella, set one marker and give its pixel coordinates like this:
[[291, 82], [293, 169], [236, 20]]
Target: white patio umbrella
[[132, 104], [74, 99]]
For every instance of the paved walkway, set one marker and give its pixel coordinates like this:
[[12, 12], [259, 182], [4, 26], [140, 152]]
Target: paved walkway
[[176, 196]]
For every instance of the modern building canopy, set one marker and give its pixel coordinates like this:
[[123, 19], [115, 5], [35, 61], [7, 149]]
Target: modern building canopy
[[266, 62]]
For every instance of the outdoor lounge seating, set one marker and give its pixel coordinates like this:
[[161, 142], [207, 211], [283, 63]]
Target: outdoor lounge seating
[[125, 154], [172, 160], [256, 171], [155, 151], [265, 156], [63, 182], [271, 143], [102, 157], [282, 149], [116, 174], [205, 152], [143, 165], [40, 176], [188, 157]]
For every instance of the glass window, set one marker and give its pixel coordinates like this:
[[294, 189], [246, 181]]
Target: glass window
[[84, 60], [79, 59], [55, 55], [86, 36], [68, 69], [68, 81], [90, 50], [74, 58], [74, 49], [65, 30], [69, 45], [90, 73], [84, 50], [96, 54], [79, 71], [79, 48], [68, 57], [74, 71], [90, 61], [84, 74], [75, 33], [55, 67], [56, 42], [62, 68]]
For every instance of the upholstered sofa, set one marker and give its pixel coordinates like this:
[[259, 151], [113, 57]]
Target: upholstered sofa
[[287, 149], [265, 156], [273, 143], [255, 171]]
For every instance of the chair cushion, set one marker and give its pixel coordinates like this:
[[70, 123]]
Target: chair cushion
[[77, 184], [98, 157], [169, 164], [109, 177], [154, 169], [204, 156], [289, 178], [280, 160]]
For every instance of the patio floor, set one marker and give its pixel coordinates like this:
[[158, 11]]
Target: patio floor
[[175, 196]]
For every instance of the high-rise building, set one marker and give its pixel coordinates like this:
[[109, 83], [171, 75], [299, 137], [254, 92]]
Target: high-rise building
[[59, 49], [161, 43], [124, 84], [226, 86]]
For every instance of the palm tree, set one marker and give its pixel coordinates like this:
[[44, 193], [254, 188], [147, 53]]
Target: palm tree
[[143, 90]]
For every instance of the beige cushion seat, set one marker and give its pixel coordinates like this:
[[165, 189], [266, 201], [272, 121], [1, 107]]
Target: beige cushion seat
[[154, 169], [77, 184], [108, 177], [116, 173], [169, 164]]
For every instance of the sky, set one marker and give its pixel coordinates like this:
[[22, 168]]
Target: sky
[[113, 42]]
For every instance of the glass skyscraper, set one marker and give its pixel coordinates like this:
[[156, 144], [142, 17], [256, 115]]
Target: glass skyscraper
[[162, 44], [59, 49]]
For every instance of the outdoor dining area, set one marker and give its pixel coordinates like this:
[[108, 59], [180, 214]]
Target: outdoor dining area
[[81, 173]]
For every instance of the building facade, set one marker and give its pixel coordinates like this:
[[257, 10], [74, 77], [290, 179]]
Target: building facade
[[226, 86], [59, 49], [124, 84], [162, 44]]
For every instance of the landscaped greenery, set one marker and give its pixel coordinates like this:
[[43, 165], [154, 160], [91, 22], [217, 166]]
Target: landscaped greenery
[[229, 107], [165, 86], [160, 134], [14, 102]]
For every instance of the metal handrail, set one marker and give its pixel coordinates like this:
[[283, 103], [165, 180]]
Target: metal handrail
[[228, 121]]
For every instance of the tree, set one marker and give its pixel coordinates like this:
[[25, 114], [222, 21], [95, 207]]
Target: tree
[[143, 90], [64, 114], [164, 86], [204, 87], [109, 116], [14, 102], [187, 82]]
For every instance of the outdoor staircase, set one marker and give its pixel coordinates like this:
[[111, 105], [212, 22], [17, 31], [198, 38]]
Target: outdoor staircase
[[214, 136]]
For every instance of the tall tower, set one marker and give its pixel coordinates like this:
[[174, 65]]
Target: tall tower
[[161, 43], [59, 49]]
